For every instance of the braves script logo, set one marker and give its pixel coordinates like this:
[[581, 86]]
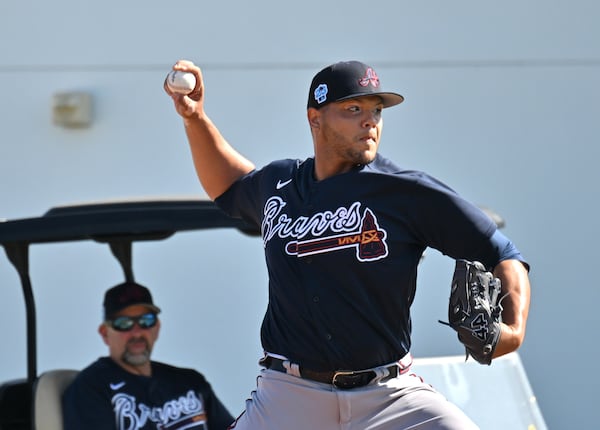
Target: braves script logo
[[369, 78], [351, 230], [188, 409]]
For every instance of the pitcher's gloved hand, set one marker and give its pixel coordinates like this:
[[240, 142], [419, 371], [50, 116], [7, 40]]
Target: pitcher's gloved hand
[[474, 309]]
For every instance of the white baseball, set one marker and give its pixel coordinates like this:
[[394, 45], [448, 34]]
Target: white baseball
[[181, 82]]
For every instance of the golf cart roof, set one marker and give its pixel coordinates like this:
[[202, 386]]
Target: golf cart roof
[[141, 219]]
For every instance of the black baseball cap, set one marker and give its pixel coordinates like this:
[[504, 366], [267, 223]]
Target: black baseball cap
[[348, 80], [127, 294]]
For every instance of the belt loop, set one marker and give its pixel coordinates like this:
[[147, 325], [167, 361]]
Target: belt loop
[[381, 372], [404, 363], [292, 368]]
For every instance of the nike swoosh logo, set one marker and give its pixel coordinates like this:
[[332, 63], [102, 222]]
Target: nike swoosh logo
[[280, 184], [116, 386]]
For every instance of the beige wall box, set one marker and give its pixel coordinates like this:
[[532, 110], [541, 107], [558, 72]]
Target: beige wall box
[[72, 109]]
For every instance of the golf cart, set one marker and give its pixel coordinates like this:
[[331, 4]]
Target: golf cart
[[34, 402]]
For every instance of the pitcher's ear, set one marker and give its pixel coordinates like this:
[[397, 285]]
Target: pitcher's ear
[[314, 117]]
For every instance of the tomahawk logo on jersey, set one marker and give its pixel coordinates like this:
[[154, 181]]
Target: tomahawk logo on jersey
[[330, 231]]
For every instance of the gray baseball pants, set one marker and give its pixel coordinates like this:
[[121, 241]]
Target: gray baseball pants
[[285, 402]]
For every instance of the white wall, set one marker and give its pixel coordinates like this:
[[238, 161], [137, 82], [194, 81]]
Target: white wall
[[501, 103]]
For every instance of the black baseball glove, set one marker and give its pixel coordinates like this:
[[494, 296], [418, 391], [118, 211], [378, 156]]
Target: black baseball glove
[[474, 309]]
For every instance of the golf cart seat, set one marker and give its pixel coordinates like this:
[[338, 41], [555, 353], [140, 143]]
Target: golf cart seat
[[47, 398]]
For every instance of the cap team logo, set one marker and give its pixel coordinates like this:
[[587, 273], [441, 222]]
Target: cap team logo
[[370, 77], [321, 93]]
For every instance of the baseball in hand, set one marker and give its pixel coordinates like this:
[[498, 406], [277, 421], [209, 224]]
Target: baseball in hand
[[181, 82]]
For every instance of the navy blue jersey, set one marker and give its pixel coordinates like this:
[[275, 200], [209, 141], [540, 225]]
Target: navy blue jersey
[[104, 396], [342, 255]]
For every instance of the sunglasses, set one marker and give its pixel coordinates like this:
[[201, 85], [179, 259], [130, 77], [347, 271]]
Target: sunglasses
[[124, 323]]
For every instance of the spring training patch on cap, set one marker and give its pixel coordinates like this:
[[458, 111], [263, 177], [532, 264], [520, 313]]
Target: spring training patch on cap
[[321, 93]]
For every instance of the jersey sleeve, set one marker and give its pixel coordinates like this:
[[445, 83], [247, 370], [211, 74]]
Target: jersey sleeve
[[457, 228], [238, 200], [219, 417], [245, 198]]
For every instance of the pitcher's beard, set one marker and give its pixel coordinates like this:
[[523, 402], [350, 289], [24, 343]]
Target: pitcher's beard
[[351, 150]]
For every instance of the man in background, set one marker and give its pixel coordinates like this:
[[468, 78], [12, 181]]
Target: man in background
[[127, 390]]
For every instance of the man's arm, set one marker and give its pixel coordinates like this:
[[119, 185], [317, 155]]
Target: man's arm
[[515, 284], [217, 163], [218, 415]]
